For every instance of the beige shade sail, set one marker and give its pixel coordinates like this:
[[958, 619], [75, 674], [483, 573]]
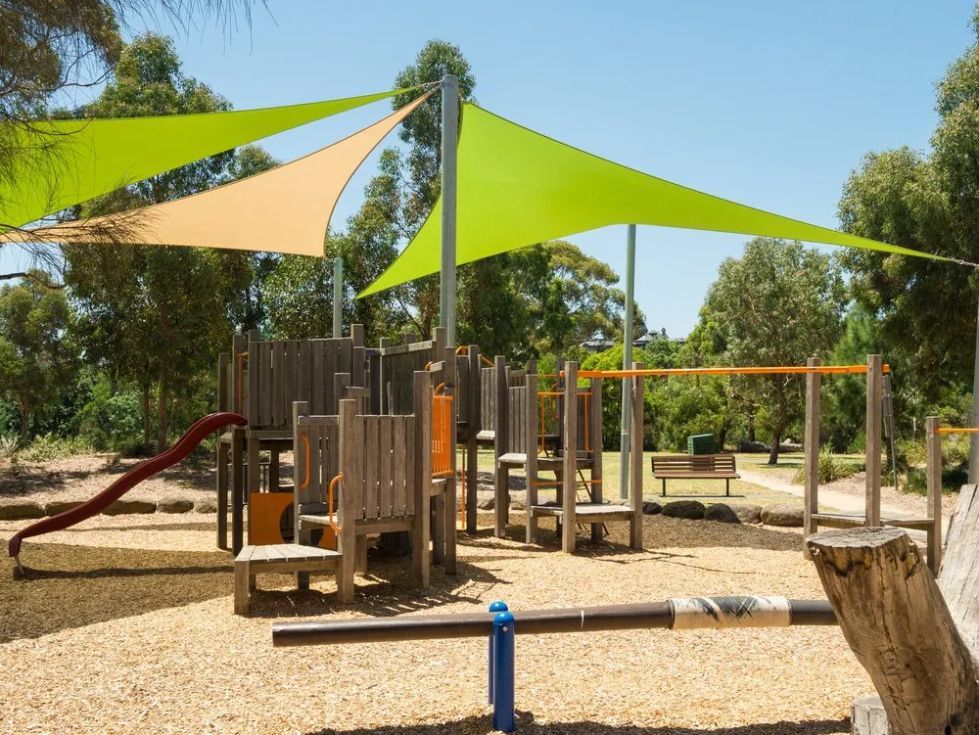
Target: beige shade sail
[[285, 210]]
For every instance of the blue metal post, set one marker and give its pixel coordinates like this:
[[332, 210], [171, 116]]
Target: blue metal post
[[495, 607], [503, 672]]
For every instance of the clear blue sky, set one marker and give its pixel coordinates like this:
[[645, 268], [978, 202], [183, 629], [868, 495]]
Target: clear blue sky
[[768, 103]]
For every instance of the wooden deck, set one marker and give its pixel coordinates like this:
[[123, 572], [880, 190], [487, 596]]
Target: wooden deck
[[849, 520], [277, 559], [587, 512]]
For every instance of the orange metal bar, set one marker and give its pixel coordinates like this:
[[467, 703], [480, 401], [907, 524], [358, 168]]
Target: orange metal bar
[[486, 361], [329, 502], [441, 433], [305, 439], [962, 430], [778, 370]]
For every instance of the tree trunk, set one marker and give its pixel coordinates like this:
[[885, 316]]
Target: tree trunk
[[147, 422], [776, 443], [162, 403], [25, 421], [895, 619]]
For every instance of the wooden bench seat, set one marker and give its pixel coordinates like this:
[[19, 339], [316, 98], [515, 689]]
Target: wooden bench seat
[[696, 467], [850, 520], [519, 459], [587, 512], [277, 559]]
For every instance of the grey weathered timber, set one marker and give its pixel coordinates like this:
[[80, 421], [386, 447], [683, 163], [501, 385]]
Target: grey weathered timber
[[873, 449], [501, 442], [912, 642], [570, 448], [811, 447], [421, 470], [595, 429], [475, 426], [933, 473], [636, 434]]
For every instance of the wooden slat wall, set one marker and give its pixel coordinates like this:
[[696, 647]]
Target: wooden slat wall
[[487, 398], [277, 373], [517, 419]]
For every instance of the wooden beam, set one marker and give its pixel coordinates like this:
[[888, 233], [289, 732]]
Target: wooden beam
[[568, 495], [811, 447], [875, 393]]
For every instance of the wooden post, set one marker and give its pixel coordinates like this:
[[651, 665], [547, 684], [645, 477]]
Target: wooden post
[[221, 457], [934, 480], [568, 499], [299, 469], [595, 436], [897, 622], [811, 447], [422, 467], [451, 482], [351, 454], [874, 396], [531, 449], [472, 448], [637, 432], [500, 444], [237, 489]]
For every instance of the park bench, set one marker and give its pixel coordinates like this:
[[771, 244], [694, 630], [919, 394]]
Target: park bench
[[696, 467]]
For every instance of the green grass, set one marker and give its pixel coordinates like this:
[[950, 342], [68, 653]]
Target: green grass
[[706, 491]]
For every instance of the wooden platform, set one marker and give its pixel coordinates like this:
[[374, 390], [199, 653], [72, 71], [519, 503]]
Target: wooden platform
[[277, 559], [587, 512], [550, 463]]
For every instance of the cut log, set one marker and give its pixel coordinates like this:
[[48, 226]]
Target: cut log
[[895, 619]]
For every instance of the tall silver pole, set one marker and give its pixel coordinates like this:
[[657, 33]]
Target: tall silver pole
[[974, 438], [338, 297], [450, 133], [630, 291]]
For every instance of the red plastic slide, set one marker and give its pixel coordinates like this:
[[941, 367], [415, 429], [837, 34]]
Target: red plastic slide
[[184, 446]]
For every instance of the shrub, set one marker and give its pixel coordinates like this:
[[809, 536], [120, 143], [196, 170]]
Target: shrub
[[831, 467], [49, 446], [111, 420]]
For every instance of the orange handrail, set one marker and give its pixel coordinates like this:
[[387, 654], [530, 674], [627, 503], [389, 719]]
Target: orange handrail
[[775, 370], [329, 502], [958, 430], [486, 361], [305, 439]]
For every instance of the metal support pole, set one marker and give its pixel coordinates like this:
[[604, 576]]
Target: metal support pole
[[337, 297], [495, 607], [627, 338], [503, 672], [974, 438], [450, 133]]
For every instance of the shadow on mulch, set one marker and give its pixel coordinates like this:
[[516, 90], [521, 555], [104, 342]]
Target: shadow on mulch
[[526, 724], [71, 586], [659, 532]]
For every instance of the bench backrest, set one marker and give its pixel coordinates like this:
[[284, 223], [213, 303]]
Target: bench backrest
[[694, 463]]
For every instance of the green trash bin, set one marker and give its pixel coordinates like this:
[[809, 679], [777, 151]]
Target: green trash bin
[[700, 444]]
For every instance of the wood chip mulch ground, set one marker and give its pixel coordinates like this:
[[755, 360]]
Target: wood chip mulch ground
[[114, 639]]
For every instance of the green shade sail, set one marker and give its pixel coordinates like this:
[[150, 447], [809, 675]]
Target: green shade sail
[[517, 187], [61, 163]]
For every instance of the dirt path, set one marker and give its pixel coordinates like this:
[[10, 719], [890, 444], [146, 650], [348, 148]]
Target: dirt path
[[845, 501]]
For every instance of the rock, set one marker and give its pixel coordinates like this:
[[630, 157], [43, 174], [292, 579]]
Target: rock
[[175, 505], [486, 504], [206, 506], [692, 510], [722, 513], [868, 716], [651, 508], [56, 507], [517, 505], [129, 507], [21, 511], [747, 513], [789, 516]]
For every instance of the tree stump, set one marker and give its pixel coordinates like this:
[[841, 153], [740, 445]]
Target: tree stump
[[895, 619]]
